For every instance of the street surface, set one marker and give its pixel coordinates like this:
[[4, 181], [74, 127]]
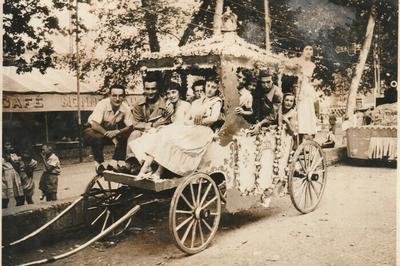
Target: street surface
[[353, 225]]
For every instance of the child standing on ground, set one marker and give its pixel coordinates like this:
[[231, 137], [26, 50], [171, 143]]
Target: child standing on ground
[[52, 169], [12, 186], [28, 183]]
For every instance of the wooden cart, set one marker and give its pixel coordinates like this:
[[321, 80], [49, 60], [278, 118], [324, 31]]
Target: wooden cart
[[240, 169]]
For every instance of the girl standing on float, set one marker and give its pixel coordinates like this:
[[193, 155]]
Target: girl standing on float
[[307, 120]]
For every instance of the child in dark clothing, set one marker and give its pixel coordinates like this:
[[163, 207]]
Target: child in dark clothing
[[27, 182], [52, 169]]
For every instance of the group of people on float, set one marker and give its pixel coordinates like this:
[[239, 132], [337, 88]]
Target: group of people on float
[[168, 133]]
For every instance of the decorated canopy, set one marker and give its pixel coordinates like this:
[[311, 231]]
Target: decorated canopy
[[208, 53]]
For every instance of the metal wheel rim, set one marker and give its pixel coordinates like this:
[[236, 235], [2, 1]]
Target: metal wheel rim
[[197, 225], [307, 176], [108, 211]]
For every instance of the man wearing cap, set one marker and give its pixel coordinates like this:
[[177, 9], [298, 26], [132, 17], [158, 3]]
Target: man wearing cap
[[110, 122], [150, 112], [270, 97]]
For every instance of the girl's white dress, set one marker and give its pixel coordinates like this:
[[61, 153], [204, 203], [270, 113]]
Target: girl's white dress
[[178, 147], [307, 120]]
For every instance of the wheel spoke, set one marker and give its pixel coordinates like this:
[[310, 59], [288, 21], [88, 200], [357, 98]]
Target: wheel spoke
[[316, 164], [208, 203], [310, 192], [301, 188], [193, 234], [303, 165], [95, 192], [207, 225], [93, 208], [205, 195], [315, 154], [185, 212], [184, 222], [199, 192], [105, 221], [308, 156], [187, 231], [187, 202], [101, 187], [305, 158], [201, 233], [305, 196], [193, 196], [98, 217], [320, 183], [301, 193], [314, 189]]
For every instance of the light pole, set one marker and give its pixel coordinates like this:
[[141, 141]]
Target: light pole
[[78, 92]]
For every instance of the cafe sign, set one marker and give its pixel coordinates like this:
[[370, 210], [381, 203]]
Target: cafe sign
[[52, 102]]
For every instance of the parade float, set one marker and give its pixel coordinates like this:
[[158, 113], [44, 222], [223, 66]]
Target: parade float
[[241, 168], [378, 140]]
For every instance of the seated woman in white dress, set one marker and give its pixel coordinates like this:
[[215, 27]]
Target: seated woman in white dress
[[140, 145], [180, 147], [181, 107]]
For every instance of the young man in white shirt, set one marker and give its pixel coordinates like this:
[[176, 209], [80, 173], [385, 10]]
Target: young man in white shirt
[[110, 122]]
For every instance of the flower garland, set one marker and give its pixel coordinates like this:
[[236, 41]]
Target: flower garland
[[236, 147], [259, 142]]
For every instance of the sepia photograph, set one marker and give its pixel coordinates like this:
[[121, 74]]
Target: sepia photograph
[[199, 132]]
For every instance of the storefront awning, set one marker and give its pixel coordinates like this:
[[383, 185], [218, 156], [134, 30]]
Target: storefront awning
[[53, 81]]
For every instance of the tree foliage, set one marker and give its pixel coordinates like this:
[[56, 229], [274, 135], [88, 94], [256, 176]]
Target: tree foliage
[[28, 25], [123, 32], [25, 45]]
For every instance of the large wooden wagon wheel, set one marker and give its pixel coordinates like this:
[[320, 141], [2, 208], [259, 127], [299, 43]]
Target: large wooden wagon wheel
[[195, 213], [307, 176], [104, 202]]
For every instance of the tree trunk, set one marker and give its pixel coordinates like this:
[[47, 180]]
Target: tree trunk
[[194, 22], [267, 25], [219, 9], [151, 26], [355, 83]]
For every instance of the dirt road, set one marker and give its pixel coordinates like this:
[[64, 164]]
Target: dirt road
[[354, 225]]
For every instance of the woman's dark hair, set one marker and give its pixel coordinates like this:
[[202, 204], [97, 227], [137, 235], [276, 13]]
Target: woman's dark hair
[[174, 86], [250, 81], [283, 100], [218, 92]]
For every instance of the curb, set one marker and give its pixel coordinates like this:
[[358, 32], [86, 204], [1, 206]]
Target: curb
[[16, 224]]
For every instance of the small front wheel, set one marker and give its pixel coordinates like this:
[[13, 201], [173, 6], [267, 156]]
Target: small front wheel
[[195, 213], [307, 176], [104, 202]]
